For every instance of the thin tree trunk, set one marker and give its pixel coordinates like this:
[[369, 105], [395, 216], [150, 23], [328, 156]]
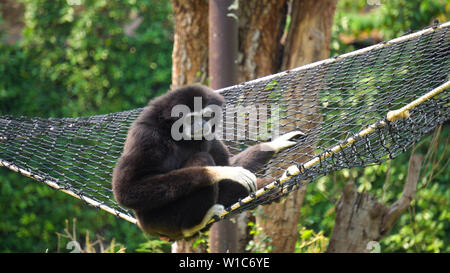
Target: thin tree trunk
[[362, 220]]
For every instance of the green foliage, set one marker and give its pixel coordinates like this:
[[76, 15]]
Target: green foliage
[[33, 214], [70, 240], [75, 59], [402, 16], [154, 246], [260, 242], [311, 242], [366, 21], [425, 228]]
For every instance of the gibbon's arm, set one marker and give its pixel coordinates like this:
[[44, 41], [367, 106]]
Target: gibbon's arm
[[159, 190], [220, 153], [254, 158]]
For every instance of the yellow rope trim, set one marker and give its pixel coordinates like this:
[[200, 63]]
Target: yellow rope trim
[[404, 111], [391, 116]]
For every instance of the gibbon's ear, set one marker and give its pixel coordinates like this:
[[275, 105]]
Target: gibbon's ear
[[179, 114], [174, 110], [215, 99]]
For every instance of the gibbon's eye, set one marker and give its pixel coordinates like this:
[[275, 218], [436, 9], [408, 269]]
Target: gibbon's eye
[[207, 113], [196, 126]]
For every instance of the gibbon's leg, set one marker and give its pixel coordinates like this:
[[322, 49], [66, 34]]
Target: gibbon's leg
[[255, 157], [181, 218], [185, 216], [228, 192], [200, 159], [216, 209], [201, 203]]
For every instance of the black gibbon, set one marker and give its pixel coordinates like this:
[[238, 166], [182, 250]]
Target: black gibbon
[[175, 187]]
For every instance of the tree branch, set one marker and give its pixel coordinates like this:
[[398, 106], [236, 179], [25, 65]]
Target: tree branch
[[394, 212]]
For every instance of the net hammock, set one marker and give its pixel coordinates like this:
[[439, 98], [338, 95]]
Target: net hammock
[[358, 109]]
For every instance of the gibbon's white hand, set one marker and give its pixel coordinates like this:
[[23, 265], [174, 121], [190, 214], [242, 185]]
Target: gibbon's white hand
[[282, 142], [238, 174]]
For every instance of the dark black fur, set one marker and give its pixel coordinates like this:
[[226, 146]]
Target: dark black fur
[[164, 181]]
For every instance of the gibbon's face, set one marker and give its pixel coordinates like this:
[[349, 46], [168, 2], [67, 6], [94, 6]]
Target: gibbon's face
[[199, 125], [196, 113]]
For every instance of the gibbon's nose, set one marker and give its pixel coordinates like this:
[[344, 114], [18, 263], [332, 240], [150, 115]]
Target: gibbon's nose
[[196, 126], [202, 128]]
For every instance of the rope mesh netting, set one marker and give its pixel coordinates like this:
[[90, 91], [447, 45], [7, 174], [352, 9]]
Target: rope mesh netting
[[331, 101]]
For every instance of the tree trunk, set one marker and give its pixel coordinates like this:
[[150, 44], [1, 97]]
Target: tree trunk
[[361, 221], [190, 64], [308, 40], [309, 35], [11, 13], [261, 25], [190, 49]]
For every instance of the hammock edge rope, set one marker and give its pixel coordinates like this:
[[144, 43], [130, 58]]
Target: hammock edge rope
[[55, 185]]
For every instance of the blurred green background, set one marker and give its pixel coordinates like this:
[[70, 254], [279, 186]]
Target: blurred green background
[[62, 59]]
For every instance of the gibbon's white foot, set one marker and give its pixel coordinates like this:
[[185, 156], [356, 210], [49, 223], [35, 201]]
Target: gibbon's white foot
[[213, 211], [282, 142], [238, 174], [291, 170]]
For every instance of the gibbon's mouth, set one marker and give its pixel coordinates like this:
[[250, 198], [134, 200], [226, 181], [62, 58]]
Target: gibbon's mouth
[[204, 131]]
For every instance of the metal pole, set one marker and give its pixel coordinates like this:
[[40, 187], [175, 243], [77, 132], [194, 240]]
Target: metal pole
[[223, 48]]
